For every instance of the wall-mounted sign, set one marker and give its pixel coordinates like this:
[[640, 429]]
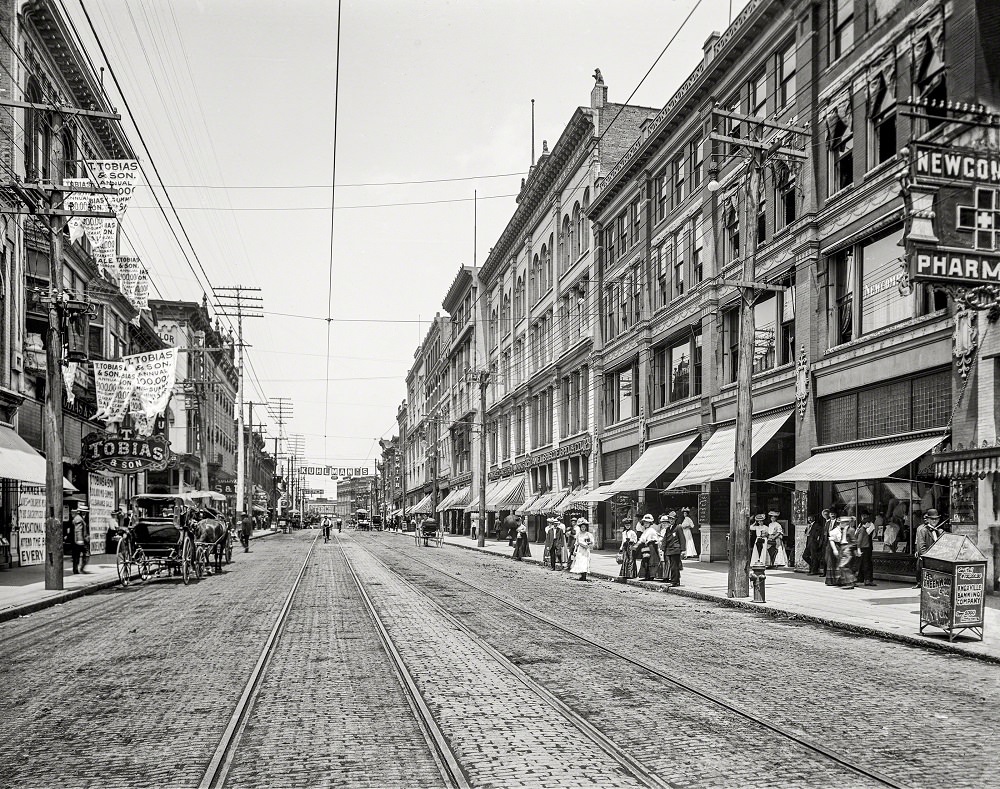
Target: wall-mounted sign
[[342, 469], [954, 234], [125, 454]]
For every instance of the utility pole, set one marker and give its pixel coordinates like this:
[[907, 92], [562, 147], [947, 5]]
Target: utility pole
[[239, 302], [251, 464], [483, 378], [758, 155], [44, 200], [280, 409], [434, 464]]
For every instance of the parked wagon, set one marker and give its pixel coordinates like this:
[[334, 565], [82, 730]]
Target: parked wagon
[[162, 537]]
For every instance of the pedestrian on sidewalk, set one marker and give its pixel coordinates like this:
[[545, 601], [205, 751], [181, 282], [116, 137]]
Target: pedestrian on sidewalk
[[833, 538], [927, 535], [584, 543], [687, 530], [758, 540], [246, 530], [572, 533], [80, 527], [555, 543], [815, 537], [848, 551], [626, 555], [510, 525], [521, 548], [776, 556], [670, 543], [649, 549], [866, 570]]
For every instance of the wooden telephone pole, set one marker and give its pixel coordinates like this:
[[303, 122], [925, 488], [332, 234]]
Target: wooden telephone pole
[[44, 200], [239, 302], [758, 155]]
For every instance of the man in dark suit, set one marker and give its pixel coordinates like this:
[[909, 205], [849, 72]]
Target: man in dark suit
[[927, 534], [670, 547]]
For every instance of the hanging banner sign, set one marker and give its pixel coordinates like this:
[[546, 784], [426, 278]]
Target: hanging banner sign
[[101, 232], [114, 383], [69, 378], [156, 373], [31, 526], [128, 276], [124, 454], [101, 499], [140, 298], [76, 201], [143, 426], [117, 174]]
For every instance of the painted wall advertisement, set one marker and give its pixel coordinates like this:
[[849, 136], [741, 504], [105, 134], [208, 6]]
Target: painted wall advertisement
[[31, 526], [101, 493]]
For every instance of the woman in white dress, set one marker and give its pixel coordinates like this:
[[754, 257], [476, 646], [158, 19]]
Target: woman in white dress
[[584, 542], [687, 525]]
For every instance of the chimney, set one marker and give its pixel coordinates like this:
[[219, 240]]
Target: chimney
[[714, 36], [599, 93]]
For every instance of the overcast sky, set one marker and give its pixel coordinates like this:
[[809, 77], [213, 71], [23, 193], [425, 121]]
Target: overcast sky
[[235, 99]]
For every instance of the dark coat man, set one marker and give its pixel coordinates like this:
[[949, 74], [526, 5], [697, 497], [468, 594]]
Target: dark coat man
[[670, 547]]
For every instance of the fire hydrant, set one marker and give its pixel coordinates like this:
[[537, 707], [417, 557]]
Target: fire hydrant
[[757, 578]]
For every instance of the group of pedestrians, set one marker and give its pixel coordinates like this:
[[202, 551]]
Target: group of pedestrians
[[840, 548], [566, 547], [653, 549]]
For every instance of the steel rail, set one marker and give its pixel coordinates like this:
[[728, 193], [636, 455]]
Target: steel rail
[[805, 742], [221, 762], [633, 766], [451, 770]]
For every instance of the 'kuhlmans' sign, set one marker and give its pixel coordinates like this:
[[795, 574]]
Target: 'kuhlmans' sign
[[124, 454]]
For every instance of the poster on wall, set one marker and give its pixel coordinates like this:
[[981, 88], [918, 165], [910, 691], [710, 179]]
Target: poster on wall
[[101, 494], [31, 526]]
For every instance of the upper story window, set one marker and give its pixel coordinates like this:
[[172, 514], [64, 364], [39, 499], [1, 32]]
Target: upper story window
[[877, 11], [677, 370], [695, 163], [37, 136], [785, 197], [731, 242], [662, 286], [882, 125], [494, 328], [929, 80], [533, 279], [660, 196], [679, 245], [565, 248], [584, 222], [519, 298], [841, 156], [758, 94], [635, 221], [622, 232], [574, 233], [679, 179], [621, 396], [785, 75], [841, 20], [697, 250]]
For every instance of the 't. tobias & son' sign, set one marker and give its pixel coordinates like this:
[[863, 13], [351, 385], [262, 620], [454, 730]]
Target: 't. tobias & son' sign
[[954, 234], [352, 468]]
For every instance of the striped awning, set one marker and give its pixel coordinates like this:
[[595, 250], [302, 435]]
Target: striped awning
[[512, 496], [716, 458], [968, 467], [571, 503], [603, 493], [457, 499], [651, 463], [525, 508], [422, 507], [857, 463], [546, 503], [491, 490]]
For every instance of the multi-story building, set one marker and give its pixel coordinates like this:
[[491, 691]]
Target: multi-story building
[[201, 427], [852, 372], [359, 492], [390, 477], [43, 65], [539, 313]]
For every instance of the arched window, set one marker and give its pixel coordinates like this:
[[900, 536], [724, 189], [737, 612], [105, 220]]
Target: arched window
[[542, 272], [574, 244], [548, 262], [519, 299], [493, 329], [565, 259], [534, 285], [36, 136], [505, 314], [584, 222]]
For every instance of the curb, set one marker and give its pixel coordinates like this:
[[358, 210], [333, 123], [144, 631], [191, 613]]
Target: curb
[[771, 611], [15, 612]]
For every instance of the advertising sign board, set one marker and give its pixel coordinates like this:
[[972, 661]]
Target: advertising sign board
[[125, 454]]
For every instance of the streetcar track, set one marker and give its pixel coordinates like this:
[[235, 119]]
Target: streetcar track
[[632, 766], [707, 695], [222, 760], [445, 758]]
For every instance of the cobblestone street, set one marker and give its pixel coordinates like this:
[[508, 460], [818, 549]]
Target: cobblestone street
[[134, 687]]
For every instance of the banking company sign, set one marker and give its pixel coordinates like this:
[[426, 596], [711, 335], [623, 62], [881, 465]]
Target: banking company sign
[[954, 236]]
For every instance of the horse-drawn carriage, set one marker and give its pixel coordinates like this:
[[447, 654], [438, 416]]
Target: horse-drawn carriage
[[173, 534], [427, 531], [362, 521]]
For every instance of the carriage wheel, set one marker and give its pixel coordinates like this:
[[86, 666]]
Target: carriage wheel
[[187, 558], [142, 563], [123, 560], [199, 562]]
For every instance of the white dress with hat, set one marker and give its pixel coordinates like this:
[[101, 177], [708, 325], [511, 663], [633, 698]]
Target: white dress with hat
[[581, 559], [690, 551]]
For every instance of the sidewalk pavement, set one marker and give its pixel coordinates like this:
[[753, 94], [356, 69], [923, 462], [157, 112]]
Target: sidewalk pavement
[[889, 610], [22, 589]]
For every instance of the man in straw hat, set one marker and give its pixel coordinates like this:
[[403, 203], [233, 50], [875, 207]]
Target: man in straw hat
[[80, 531], [670, 545], [649, 548]]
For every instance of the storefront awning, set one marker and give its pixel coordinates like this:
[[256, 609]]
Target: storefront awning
[[510, 497], [18, 460], [570, 502], [525, 508], [491, 491], [651, 463], [455, 500], [603, 493], [546, 503], [422, 507], [871, 462], [968, 463], [716, 458]]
